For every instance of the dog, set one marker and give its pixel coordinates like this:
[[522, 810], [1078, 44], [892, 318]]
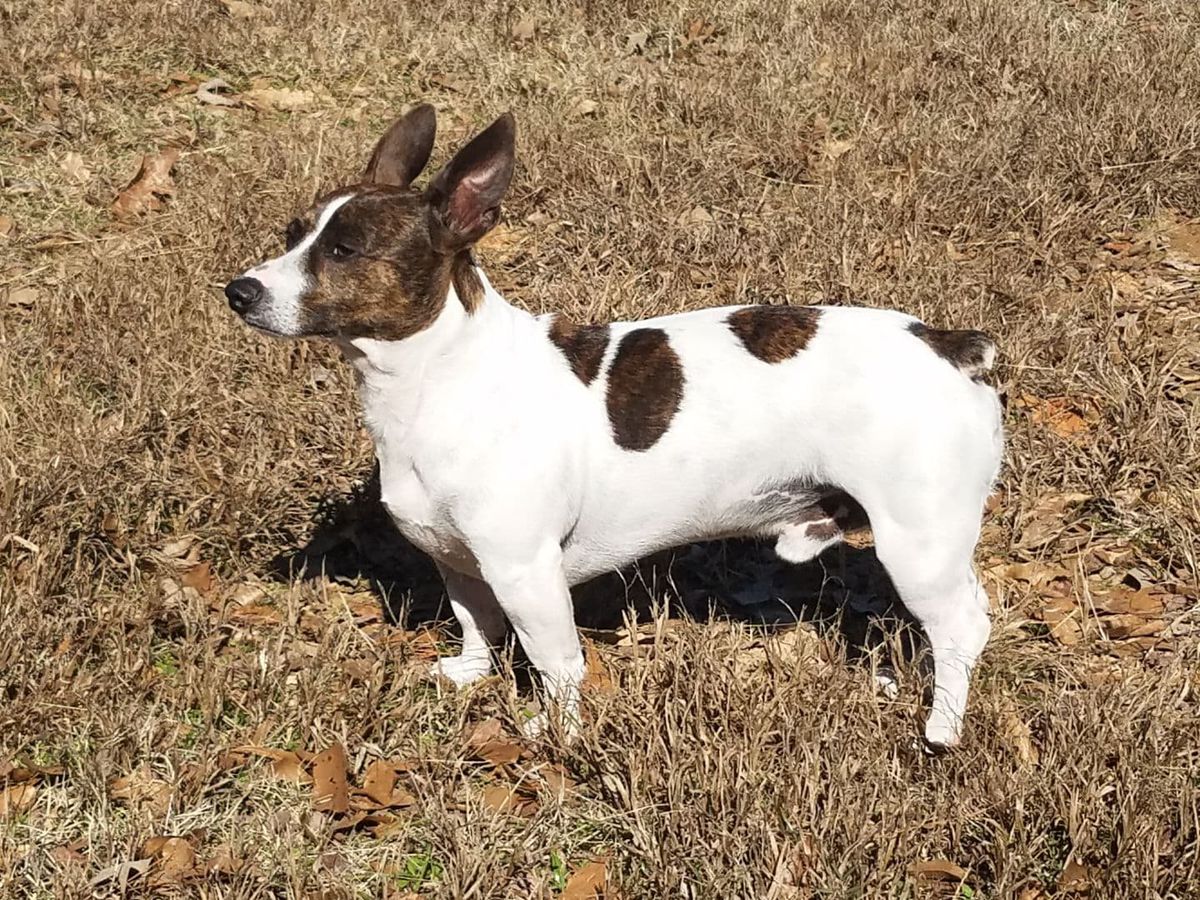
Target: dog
[[526, 454]]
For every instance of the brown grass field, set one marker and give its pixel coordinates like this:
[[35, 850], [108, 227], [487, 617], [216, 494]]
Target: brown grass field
[[213, 647]]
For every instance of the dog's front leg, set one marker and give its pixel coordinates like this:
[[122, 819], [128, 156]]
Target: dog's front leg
[[534, 595], [482, 623]]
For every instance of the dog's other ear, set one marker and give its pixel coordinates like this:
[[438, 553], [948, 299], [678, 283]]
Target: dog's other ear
[[465, 196], [404, 149]]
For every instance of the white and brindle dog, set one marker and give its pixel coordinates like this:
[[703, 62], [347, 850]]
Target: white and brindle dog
[[527, 454]]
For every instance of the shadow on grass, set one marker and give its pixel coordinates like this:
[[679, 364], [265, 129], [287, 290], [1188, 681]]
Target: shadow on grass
[[845, 593]]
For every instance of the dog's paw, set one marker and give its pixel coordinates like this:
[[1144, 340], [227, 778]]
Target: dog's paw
[[462, 670], [941, 734], [886, 685]]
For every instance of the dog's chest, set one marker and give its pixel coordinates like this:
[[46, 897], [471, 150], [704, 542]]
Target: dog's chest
[[420, 516]]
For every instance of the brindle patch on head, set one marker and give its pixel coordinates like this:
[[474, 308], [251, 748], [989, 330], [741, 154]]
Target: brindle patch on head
[[582, 345], [645, 388], [374, 271], [972, 352], [774, 333]]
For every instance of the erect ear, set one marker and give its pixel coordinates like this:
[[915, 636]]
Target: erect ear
[[404, 149], [465, 196]]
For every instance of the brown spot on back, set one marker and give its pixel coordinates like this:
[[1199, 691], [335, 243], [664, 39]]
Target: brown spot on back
[[582, 345], [774, 333], [645, 388], [972, 352]]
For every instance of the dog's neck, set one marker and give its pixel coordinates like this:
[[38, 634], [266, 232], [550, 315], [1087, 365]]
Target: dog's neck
[[395, 378]]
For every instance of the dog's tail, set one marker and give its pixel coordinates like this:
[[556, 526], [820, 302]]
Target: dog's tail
[[971, 352]]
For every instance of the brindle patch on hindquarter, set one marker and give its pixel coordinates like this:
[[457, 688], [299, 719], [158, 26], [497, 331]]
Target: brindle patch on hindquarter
[[774, 333], [375, 272], [972, 352], [645, 388], [582, 345]]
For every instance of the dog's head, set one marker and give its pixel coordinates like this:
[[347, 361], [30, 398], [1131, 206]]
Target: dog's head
[[376, 259]]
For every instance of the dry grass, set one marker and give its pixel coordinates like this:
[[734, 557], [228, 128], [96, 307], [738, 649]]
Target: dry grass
[[1029, 167]]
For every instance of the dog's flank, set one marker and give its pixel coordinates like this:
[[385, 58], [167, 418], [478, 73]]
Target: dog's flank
[[528, 454]]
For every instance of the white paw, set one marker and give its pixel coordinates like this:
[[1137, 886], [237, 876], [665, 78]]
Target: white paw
[[886, 685], [941, 732], [462, 670]]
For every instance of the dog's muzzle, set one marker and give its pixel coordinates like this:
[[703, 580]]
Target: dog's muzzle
[[243, 293]]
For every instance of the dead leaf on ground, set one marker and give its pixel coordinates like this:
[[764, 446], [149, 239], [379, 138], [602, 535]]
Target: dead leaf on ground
[[174, 858], [1046, 519], [121, 873], [938, 870], [379, 786], [150, 187], [596, 679], [1068, 417], [22, 297], [217, 92], [73, 167], [16, 799], [523, 29], [6, 226], [1017, 736], [585, 107], [286, 99], [199, 577], [330, 791], [141, 787], [285, 764], [238, 9], [509, 798], [587, 882], [488, 742], [1075, 878], [224, 861]]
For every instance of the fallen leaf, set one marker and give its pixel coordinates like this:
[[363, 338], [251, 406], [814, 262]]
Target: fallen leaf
[[174, 857], [224, 862], [280, 98], [238, 9], [523, 29], [247, 594], [1183, 242], [121, 873], [636, 42], [938, 870], [141, 787], [1075, 878], [6, 225], [507, 798], [587, 882], [217, 92], [73, 167], [285, 764], [68, 855], [697, 215], [16, 798], [330, 791], [585, 107], [596, 679], [1067, 417], [488, 742], [150, 186], [379, 782], [1017, 736], [178, 549], [199, 577], [22, 297]]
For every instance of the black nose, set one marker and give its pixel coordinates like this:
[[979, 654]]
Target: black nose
[[243, 293]]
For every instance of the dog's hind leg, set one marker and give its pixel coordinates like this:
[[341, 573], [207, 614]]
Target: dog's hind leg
[[482, 623], [804, 541], [930, 565]]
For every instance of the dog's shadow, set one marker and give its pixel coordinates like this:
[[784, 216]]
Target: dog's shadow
[[845, 593]]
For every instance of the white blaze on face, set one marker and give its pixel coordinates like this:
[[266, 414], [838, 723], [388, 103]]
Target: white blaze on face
[[285, 280]]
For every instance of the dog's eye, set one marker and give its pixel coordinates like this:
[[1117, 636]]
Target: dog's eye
[[341, 251]]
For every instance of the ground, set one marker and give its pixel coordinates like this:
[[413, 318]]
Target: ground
[[212, 648]]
